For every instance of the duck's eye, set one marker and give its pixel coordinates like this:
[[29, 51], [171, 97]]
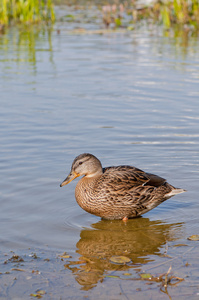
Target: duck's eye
[[80, 163]]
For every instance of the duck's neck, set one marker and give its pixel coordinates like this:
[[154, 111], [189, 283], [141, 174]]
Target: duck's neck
[[93, 175]]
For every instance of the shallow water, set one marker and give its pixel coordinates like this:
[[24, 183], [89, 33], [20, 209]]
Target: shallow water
[[128, 98]]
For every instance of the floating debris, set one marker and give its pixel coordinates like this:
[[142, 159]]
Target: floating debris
[[38, 294], [146, 276], [34, 255], [194, 237], [65, 255], [47, 259], [36, 272], [15, 258], [165, 279], [120, 260]]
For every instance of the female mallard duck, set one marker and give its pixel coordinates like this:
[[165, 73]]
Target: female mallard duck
[[117, 192]]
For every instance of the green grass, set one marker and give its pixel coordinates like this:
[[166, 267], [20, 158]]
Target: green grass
[[26, 11]]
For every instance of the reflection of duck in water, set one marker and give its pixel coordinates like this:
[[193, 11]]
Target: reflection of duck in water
[[138, 240], [117, 192]]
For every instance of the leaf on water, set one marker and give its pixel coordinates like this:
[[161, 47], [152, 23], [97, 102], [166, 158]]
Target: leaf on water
[[36, 296], [65, 255], [194, 237], [180, 245], [112, 276], [146, 276], [41, 292], [16, 269], [127, 274], [120, 259]]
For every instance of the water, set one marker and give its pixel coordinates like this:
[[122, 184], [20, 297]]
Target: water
[[128, 98]]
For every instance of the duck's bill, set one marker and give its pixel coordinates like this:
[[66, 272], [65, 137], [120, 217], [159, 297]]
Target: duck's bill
[[69, 178]]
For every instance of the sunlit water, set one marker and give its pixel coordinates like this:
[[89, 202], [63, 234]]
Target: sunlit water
[[128, 98]]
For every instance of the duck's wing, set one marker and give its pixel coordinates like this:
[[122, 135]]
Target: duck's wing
[[133, 188], [124, 177], [130, 177]]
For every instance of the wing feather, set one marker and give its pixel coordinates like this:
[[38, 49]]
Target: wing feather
[[124, 177]]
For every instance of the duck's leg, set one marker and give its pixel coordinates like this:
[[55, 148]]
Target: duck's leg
[[125, 219]]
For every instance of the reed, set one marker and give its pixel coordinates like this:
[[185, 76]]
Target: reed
[[168, 12], [26, 11], [182, 12]]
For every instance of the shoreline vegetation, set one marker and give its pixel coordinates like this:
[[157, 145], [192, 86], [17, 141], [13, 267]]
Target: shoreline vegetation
[[26, 12], [183, 14]]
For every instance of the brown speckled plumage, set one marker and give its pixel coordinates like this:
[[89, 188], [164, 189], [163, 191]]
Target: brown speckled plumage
[[117, 192]]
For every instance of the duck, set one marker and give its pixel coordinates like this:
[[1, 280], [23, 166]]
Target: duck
[[118, 192]]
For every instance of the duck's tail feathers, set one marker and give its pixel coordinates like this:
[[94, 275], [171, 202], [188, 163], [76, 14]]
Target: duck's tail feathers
[[174, 192]]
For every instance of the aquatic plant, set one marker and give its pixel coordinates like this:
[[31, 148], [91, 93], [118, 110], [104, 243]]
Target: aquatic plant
[[170, 12], [182, 12], [26, 11]]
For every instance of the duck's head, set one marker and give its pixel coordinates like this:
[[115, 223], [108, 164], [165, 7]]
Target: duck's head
[[84, 164]]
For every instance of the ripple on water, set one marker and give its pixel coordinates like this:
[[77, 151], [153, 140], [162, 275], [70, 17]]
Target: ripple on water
[[76, 219]]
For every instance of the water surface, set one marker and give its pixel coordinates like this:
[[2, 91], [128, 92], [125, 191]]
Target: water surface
[[128, 98]]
